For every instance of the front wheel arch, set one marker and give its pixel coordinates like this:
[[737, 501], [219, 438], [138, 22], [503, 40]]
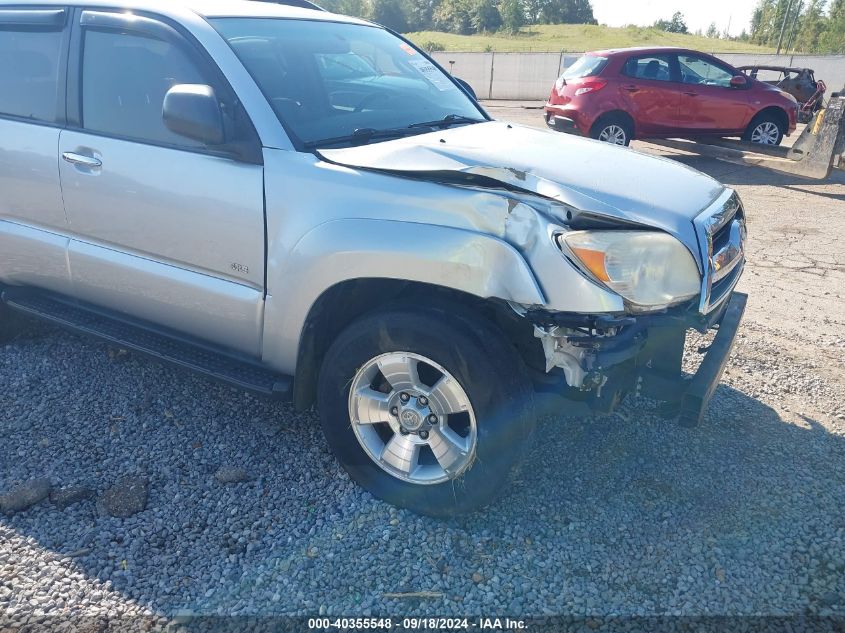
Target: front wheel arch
[[773, 113], [347, 301]]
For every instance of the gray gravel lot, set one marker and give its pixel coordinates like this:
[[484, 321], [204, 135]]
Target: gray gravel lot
[[627, 514]]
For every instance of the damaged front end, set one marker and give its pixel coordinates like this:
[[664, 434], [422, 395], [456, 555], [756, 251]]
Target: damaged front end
[[598, 358], [625, 264]]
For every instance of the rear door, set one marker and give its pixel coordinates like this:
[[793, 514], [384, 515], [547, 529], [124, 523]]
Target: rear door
[[650, 93], [708, 102], [33, 60], [164, 228]]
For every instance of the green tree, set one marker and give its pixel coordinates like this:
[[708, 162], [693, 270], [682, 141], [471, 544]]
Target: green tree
[[676, 25], [832, 40], [486, 16], [357, 8], [454, 16], [558, 12], [712, 31], [764, 22], [810, 27], [420, 14], [389, 13], [513, 15]]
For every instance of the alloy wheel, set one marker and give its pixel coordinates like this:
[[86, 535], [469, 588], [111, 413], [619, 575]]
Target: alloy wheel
[[614, 135], [413, 418], [766, 133]]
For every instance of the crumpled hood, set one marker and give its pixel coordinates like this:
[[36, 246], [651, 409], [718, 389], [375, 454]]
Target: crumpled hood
[[594, 177]]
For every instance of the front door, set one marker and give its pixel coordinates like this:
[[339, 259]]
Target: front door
[[163, 228], [708, 102]]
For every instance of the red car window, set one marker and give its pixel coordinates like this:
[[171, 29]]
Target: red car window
[[655, 67], [696, 70], [586, 66]]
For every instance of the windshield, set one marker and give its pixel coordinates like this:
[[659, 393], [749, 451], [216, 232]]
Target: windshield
[[586, 66], [329, 80]]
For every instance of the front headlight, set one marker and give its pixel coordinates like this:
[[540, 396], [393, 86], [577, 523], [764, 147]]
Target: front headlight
[[650, 270]]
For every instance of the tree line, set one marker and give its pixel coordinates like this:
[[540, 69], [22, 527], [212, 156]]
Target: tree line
[[802, 26], [805, 26], [465, 16]]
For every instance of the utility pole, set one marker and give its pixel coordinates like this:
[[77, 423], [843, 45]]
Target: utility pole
[[794, 25], [783, 25]]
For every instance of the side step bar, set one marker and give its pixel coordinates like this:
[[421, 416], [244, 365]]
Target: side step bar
[[162, 346]]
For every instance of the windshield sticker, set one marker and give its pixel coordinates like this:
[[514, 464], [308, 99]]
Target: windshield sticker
[[432, 74], [407, 48]]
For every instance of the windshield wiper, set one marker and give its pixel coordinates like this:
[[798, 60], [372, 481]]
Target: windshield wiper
[[448, 121], [364, 135]]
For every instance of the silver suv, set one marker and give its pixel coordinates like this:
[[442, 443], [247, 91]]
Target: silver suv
[[306, 205]]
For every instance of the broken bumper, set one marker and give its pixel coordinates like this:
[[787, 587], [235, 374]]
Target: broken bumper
[[702, 385], [645, 356]]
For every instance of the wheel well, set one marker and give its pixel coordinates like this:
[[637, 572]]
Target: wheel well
[[341, 304], [775, 111], [617, 114]]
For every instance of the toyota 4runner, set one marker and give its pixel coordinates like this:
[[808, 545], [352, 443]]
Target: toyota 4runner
[[306, 205]]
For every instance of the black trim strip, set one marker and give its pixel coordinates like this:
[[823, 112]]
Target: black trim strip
[[127, 22], [55, 18]]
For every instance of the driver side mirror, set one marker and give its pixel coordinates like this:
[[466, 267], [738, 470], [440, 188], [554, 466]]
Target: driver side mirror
[[467, 88], [192, 111], [739, 81]]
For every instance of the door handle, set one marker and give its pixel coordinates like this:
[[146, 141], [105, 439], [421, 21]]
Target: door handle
[[630, 88], [691, 94], [82, 161]]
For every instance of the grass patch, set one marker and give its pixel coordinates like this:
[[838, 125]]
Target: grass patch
[[577, 38]]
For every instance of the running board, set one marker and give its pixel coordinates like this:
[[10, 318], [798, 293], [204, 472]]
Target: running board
[[166, 347]]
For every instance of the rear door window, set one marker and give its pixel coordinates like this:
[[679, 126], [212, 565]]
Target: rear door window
[[654, 67], [29, 72]]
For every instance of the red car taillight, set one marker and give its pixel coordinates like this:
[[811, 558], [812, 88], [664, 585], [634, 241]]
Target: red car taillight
[[590, 85]]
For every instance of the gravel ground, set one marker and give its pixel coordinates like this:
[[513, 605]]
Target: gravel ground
[[248, 513]]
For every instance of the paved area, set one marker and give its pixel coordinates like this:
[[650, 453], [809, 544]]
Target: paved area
[[627, 514]]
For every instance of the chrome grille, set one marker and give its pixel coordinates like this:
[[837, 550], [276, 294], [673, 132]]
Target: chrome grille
[[721, 238]]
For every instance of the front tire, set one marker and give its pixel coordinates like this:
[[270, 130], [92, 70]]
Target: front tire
[[765, 129], [427, 409]]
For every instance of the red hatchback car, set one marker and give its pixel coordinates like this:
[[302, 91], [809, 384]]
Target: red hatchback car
[[618, 95]]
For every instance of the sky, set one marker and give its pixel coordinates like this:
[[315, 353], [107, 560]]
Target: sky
[[698, 14]]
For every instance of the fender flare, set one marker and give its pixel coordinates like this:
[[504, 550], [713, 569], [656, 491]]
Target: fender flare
[[346, 249]]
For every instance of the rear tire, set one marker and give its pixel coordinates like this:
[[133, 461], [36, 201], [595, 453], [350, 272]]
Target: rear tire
[[481, 370], [614, 129], [765, 129]]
